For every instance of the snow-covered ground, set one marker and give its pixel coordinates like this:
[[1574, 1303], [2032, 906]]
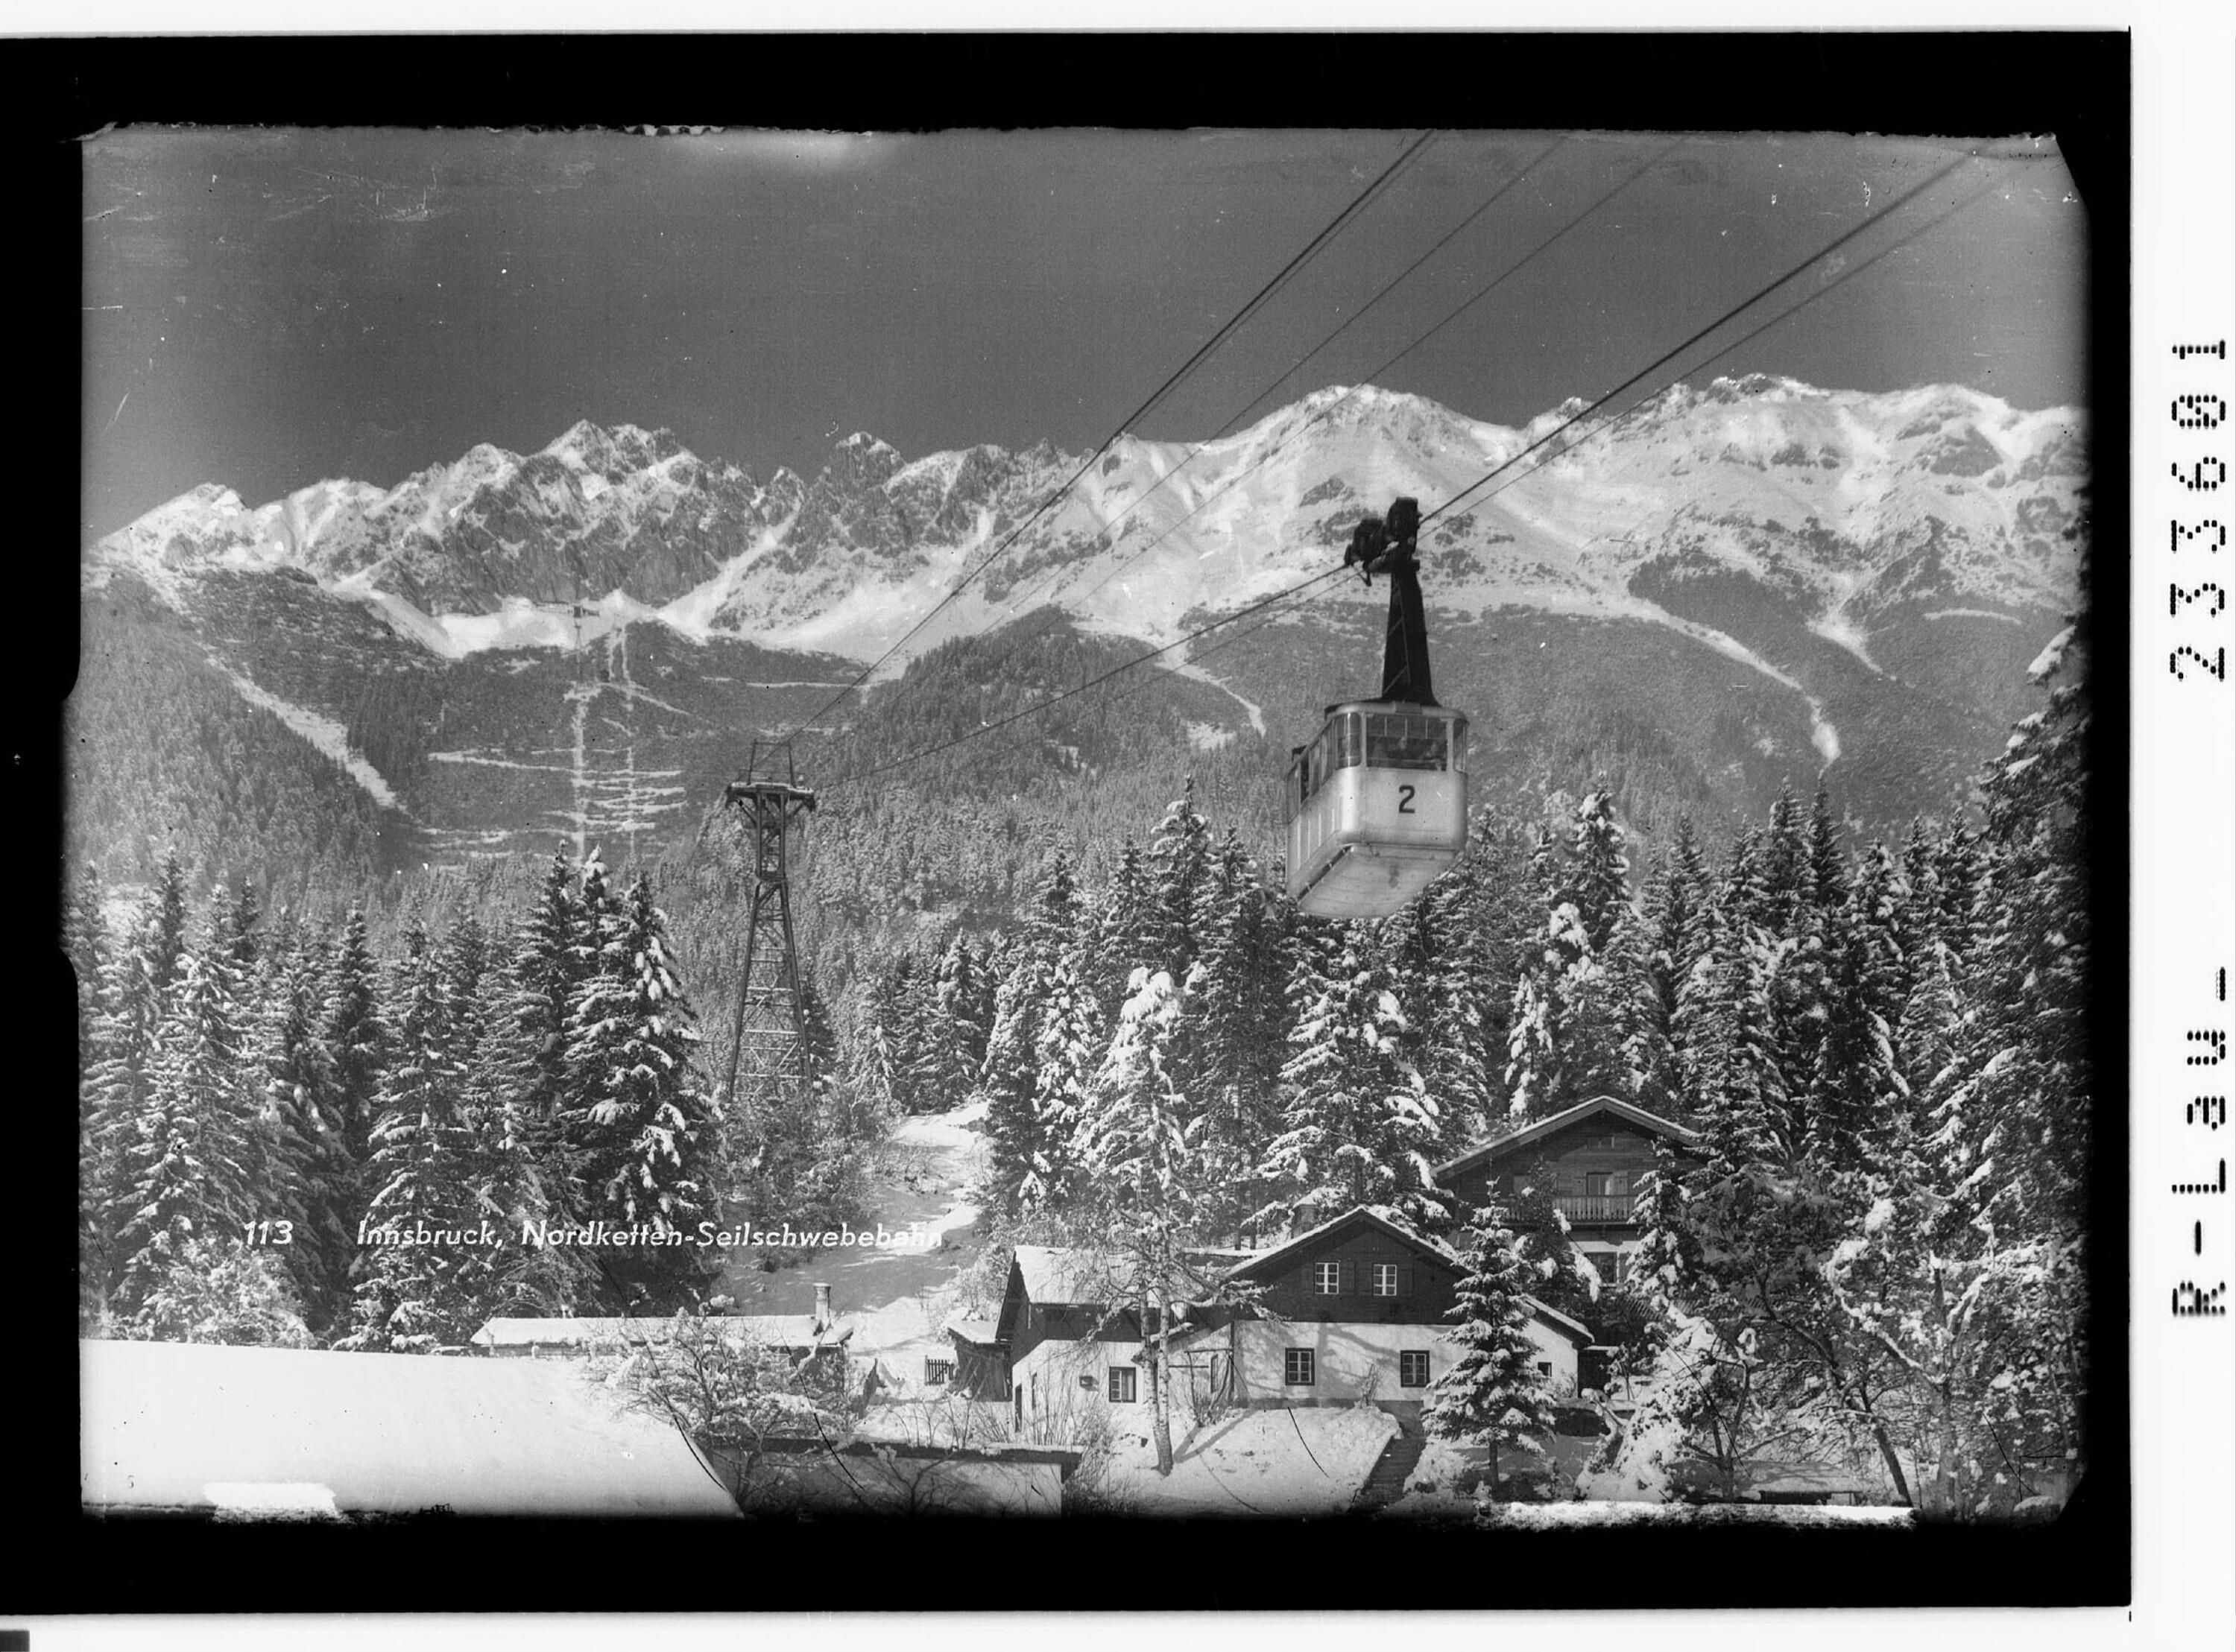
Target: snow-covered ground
[[925, 1182], [948, 1129], [1309, 1461]]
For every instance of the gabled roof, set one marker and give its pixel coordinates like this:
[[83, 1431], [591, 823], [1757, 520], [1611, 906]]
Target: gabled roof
[[1057, 1274], [1576, 1330], [1502, 1143], [1375, 1216]]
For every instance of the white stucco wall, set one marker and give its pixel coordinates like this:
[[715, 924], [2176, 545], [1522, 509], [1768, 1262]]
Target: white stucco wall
[[1055, 1404], [1353, 1361]]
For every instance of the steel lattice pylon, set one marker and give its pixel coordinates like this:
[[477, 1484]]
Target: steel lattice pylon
[[769, 1058]]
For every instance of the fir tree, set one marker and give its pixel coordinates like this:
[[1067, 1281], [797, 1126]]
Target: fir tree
[[1179, 863], [642, 1117], [412, 1298], [353, 1032], [1129, 932], [1141, 1171], [1237, 1018], [219, 1289], [1067, 1052], [292, 1078], [184, 1160], [1363, 1127], [1493, 1394]]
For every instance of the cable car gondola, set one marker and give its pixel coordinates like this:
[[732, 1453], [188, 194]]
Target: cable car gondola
[[1378, 805]]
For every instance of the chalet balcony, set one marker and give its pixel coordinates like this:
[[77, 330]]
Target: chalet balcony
[[1598, 1210]]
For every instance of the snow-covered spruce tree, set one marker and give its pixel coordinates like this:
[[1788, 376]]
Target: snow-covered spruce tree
[[1493, 1394], [164, 939], [183, 1163], [1068, 1050], [291, 1081], [872, 1068], [1008, 1079], [1598, 882], [516, 1090], [1140, 1176], [1007, 1083], [642, 1123], [1564, 1043], [353, 1031], [1572, 1008], [1129, 932], [546, 966], [136, 996], [1235, 1004], [913, 1035], [1438, 956], [1856, 1083], [85, 943], [1362, 1124], [1778, 879], [230, 945], [219, 1289], [411, 1296], [1557, 1273], [958, 1045], [1180, 862]]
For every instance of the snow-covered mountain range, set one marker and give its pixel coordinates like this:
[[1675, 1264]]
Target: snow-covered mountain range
[[1846, 505], [1729, 586]]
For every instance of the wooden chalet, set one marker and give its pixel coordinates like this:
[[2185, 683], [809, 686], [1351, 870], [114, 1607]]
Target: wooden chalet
[[1356, 1308], [1595, 1154]]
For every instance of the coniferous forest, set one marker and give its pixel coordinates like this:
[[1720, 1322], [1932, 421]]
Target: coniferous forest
[[1881, 1251]]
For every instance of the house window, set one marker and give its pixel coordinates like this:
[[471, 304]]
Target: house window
[[937, 1371], [1544, 1368], [1604, 1260], [1385, 1278], [1595, 1184], [1297, 1367], [1413, 1370], [1122, 1385], [1327, 1279]]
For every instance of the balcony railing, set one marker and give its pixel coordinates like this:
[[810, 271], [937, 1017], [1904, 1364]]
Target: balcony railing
[[1600, 1208]]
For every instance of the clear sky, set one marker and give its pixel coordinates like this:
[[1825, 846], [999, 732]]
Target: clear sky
[[266, 309]]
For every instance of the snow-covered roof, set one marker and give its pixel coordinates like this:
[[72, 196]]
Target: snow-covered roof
[[981, 1331], [1577, 1330], [772, 1330], [1057, 1274], [201, 1427], [1381, 1216], [1499, 1142]]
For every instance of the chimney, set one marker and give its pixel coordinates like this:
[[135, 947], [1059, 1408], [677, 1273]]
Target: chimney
[[822, 1309]]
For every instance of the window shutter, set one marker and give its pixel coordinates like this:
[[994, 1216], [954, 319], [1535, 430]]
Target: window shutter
[[1404, 1279], [1347, 1279]]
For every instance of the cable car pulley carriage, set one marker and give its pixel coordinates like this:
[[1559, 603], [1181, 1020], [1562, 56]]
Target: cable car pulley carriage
[[1377, 805]]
